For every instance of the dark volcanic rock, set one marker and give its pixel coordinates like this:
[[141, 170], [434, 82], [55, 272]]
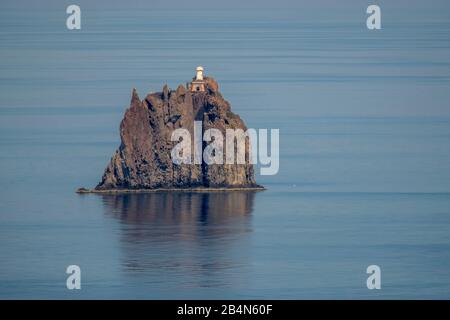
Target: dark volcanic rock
[[143, 160]]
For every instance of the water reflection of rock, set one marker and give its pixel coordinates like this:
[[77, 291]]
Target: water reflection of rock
[[195, 237], [179, 207]]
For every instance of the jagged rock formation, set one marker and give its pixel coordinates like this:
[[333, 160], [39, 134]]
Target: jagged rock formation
[[143, 160]]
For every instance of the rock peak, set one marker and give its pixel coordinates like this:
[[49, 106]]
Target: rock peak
[[166, 91], [135, 97]]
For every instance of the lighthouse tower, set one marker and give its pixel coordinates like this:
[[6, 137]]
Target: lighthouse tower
[[199, 73], [198, 84]]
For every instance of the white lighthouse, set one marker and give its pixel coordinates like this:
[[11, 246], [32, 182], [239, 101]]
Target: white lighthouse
[[199, 73], [198, 84]]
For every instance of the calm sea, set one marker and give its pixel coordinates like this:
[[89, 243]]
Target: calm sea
[[364, 174]]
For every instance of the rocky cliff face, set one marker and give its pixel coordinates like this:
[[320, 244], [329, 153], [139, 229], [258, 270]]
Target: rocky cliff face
[[143, 160]]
